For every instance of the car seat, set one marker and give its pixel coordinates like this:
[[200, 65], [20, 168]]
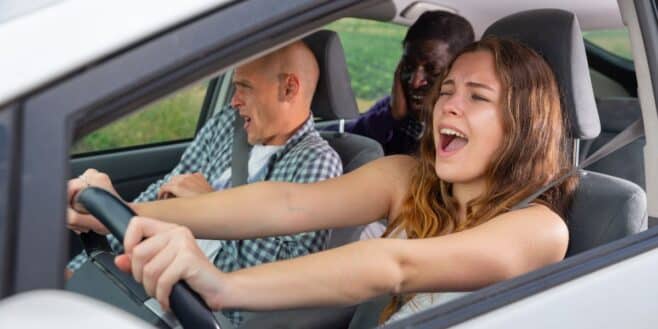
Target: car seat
[[616, 114], [605, 208], [334, 100]]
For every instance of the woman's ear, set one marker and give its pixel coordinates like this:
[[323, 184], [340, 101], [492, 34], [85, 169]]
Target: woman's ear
[[289, 87]]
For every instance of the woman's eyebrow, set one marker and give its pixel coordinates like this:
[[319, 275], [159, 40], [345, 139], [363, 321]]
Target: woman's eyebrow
[[448, 82], [479, 85]]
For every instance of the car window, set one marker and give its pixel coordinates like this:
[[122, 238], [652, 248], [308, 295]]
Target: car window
[[172, 118], [616, 42], [372, 51]]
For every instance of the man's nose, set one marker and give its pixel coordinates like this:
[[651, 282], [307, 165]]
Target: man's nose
[[418, 79], [235, 101]]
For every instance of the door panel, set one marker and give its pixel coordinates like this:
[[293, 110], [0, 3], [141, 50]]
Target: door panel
[[133, 170], [619, 296]]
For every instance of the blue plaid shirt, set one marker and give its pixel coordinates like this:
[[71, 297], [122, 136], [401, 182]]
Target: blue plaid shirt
[[305, 158]]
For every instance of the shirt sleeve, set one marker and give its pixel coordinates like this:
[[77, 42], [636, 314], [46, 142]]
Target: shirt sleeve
[[377, 123], [192, 160]]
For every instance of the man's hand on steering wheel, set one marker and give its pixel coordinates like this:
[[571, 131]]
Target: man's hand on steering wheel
[[78, 219]]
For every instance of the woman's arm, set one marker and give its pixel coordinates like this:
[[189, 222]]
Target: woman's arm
[[507, 246], [371, 192], [504, 247]]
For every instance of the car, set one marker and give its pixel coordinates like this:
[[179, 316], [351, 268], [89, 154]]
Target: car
[[70, 67]]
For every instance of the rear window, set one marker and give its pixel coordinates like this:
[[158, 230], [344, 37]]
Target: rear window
[[372, 51], [616, 42]]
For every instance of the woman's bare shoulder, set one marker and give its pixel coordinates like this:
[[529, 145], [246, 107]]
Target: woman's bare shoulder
[[540, 224], [397, 171], [537, 216], [397, 163]]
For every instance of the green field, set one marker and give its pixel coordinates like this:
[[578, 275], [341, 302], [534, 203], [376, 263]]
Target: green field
[[171, 118], [372, 50], [614, 41]]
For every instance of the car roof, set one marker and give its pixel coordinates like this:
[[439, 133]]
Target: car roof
[[592, 14], [61, 37], [51, 41]]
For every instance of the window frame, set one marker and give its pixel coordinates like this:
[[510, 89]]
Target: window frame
[[119, 84], [9, 164], [614, 67]]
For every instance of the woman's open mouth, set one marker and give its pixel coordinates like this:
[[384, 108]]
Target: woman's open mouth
[[451, 141]]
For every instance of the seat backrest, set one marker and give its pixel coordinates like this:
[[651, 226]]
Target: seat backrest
[[616, 114], [355, 151], [621, 203], [333, 100]]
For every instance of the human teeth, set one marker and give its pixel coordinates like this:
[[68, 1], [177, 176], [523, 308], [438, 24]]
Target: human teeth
[[448, 131]]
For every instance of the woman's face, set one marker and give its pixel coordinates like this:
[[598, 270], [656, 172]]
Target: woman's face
[[467, 119]]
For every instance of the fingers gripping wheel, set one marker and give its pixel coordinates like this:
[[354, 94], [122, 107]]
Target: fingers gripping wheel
[[189, 308]]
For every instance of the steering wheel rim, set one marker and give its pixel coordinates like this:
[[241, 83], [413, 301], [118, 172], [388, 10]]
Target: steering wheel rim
[[186, 304]]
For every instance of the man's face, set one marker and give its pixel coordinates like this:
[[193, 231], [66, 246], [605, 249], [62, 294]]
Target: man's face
[[421, 64], [257, 101]]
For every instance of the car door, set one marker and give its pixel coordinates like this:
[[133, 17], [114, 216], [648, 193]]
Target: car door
[[140, 148], [204, 45]]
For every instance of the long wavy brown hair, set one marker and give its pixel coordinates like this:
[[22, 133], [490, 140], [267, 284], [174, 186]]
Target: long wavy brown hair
[[534, 152]]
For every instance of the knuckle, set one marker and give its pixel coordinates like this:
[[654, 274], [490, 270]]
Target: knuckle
[[139, 253], [150, 271]]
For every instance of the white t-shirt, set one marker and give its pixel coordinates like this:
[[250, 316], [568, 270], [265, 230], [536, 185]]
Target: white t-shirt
[[259, 157]]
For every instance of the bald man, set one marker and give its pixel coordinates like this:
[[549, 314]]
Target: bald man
[[273, 95]]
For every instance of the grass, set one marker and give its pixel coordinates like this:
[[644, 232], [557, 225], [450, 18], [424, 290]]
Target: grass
[[372, 51], [172, 118], [614, 41]]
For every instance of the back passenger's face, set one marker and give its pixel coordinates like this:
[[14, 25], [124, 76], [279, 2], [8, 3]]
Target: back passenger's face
[[421, 64], [257, 102]]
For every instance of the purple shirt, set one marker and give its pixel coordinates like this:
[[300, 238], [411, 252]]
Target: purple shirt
[[395, 136]]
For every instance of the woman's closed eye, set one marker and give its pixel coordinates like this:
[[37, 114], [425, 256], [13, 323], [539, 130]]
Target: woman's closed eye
[[445, 93], [479, 98]]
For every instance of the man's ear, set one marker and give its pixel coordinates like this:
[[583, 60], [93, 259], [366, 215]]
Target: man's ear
[[290, 87]]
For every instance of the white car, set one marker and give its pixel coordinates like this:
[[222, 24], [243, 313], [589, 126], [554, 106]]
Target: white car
[[70, 67]]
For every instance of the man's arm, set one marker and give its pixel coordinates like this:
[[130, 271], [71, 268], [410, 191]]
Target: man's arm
[[377, 123], [192, 160]]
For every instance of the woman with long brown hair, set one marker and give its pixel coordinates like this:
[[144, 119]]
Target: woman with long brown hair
[[495, 135]]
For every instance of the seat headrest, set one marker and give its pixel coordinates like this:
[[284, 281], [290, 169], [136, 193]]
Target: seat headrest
[[334, 98], [556, 35]]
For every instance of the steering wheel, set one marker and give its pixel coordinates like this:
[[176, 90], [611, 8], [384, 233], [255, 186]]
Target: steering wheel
[[187, 305]]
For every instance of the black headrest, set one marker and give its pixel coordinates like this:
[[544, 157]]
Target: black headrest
[[556, 35], [333, 97]]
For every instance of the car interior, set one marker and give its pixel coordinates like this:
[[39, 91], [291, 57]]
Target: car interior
[[610, 202]]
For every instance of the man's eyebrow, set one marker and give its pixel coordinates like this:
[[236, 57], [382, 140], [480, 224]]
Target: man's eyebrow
[[448, 82], [242, 83]]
